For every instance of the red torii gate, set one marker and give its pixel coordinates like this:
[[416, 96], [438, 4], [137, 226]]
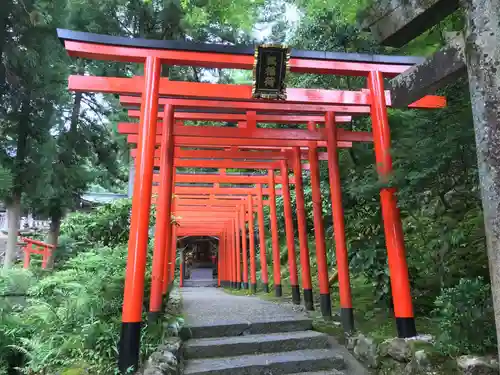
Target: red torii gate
[[270, 166], [239, 209], [318, 219], [153, 54]]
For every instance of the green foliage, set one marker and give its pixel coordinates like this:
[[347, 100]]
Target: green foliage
[[466, 321], [69, 320], [108, 224], [74, 314]]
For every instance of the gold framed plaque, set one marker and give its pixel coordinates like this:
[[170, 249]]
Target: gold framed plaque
[[271, 65]]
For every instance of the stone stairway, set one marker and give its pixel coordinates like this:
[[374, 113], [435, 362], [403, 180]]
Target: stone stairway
[[231, 340], [201, 278], [280, 347]]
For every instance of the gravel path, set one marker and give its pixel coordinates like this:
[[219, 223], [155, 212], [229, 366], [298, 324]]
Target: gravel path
[[212, 306]]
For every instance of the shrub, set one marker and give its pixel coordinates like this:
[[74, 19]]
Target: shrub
[[465, 318], [69, 321], [108, 225]]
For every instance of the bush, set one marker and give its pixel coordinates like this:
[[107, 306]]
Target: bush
[[68, 321], [465, 318], [71, 318], [108, 225], [14, 283]]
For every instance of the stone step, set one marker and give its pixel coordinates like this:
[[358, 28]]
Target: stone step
[[253, 344], [270, 363], [200, 283], [238, 329]]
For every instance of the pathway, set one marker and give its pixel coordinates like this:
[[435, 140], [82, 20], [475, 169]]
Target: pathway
[[233, 335]]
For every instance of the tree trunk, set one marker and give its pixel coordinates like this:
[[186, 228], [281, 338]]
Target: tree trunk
[[13, 216], [3, 39], [482, 52], [53, 238], [19, 166]]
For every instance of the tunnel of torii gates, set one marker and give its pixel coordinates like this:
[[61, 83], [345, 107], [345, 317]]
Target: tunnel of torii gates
[[225, 211]]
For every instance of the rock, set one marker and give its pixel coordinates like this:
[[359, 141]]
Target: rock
[[172, 329], [396, 348], [165, 362], [420, 364], [366, 351], [152, 371], [172, 345], [421, 338], [351, 341], [474, 365]]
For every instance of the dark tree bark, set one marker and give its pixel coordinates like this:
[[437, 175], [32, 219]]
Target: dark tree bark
[[53, 236], [4, 20], [482, 52], [19, 179]]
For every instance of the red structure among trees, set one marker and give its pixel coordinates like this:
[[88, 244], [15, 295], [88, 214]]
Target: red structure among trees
[[225, 212]]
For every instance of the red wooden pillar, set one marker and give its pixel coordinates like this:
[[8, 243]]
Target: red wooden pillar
[[400, 284], [346, 311], [230, 262], [181, 269], [170, 250], [235, 253], [262, 240], [290, 239], [45, 256], [173, 254], [219, 256], [238, 251], [163, 212], [128, 356], [27, 255], [253, 275], [319, 232], [245, 247], [225, 259], [302, 231], [274, 235]]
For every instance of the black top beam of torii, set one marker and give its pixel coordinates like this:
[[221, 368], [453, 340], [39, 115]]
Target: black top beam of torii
[[179, 45]]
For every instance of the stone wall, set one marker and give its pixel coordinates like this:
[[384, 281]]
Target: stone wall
[[414, 356], [167, 359]]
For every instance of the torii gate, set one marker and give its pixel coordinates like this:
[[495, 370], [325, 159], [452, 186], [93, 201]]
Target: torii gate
[[318, 223], [270, 166], [195, 211], [152, 54], [230, 154]]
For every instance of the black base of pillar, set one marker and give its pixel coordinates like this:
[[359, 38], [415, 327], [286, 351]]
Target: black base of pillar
[[278, 291], [233, 285], [253, 288], [153, 317], [130, 341], [308, 299], [238, 285], [326, 305], [406, 327], [265, 287], [245, 285], [296, 294], [347, 319]]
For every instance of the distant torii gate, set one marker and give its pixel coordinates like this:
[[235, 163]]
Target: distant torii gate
[[153, 54]]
